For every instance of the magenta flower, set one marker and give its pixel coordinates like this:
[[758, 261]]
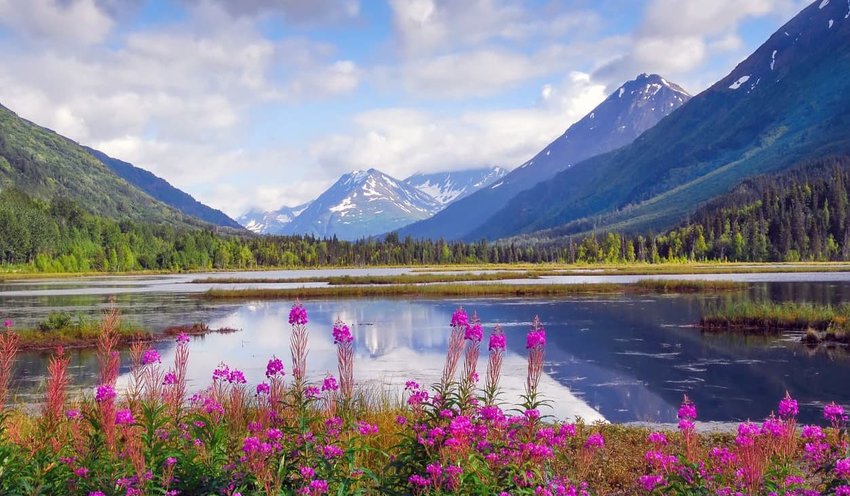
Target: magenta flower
[[298, 314], [319, 486], [341, 333], [221, 373], [8, 324], [650, 482], [330, 384], [96, 493], [788, 407], [151, 356], [182, 338], [274, 367], [263, 388], [124, 417], [366, 429], [307, 472], [331, 451], [657, 438], [536, 338], [497, 341], [105, 392], [747, 433], [169, 379], [834, 413], [474, 333], [595, 441], [842, 468], [236, 377], [312, 392], [170, 461], [73, 414], [81, 472], [459, 318]]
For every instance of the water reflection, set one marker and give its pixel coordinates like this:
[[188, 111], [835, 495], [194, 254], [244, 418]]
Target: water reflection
[[621, 358]]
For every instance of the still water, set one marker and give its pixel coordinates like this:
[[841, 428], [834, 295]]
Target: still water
[[619, 358]]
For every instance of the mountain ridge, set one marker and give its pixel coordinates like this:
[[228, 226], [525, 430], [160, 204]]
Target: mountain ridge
[[782, 104], [625, 114]]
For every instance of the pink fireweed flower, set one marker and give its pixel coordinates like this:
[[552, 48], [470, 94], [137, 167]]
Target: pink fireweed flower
[[330, 384], [595, 441], [842, 490], [221, 373], [73, 414], [366, 429], [650, 482], [151, 356], [169, 379], [8, 324], [182, 338], [236, 377], [263, 388], [657, 438], [298, 314], [307, 472], [747, 433], [842, 468], [318, 486], [274, 367], [331, 451], [170, 461], [788, 407], [312, 392], [834, 413], [124, 417], [105, 392], [773, 427], [341, 333], [536, 338], [497, 340], [474, 332], [96, 493], [460, 318]]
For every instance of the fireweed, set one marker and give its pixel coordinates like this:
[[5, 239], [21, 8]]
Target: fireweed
[[281, 437]]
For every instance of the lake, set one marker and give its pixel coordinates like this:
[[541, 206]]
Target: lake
[[618, 358]]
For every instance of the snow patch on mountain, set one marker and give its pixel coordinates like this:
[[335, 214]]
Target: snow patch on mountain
[[448, 187]]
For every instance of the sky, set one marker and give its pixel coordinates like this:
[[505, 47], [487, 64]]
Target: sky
[[265, 103]]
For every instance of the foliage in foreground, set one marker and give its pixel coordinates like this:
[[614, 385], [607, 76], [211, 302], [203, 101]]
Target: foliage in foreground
[[294, 436]]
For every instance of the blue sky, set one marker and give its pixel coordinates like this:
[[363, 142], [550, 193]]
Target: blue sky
[[263, 103]]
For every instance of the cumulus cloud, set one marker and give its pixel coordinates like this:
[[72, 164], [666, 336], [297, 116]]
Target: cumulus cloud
[[402, 141], [73, 21], [675, 37], [295, 11]]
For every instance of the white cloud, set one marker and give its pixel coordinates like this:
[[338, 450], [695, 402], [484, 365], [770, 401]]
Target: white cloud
[[294, 11], [72, 21], [401, 141], [677, 37]]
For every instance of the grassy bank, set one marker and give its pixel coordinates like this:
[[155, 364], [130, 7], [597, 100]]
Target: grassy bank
[[417, 278], [476, 290], [85, 335], [819, 322]]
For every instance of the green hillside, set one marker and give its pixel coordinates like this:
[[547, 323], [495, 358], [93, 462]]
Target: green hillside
[[794, 105], [45, 165]]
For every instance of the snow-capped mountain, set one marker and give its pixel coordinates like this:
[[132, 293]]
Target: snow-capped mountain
[[448, 187], [627, 113], [362, 204], [272, 222]]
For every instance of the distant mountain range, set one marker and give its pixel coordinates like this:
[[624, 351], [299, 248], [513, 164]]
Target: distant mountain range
[[787, 102], [629, 111], [369, 203], [448, 187]]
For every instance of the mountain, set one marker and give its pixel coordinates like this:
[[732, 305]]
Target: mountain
[[448, 187], [787, 102], [629, 111], [47, 166], [362, 204], [161, 190], [273, 222]]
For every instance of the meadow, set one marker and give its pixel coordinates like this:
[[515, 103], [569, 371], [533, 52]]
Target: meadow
[[310, 432]]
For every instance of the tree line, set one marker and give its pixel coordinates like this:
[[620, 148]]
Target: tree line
[[801, 215]]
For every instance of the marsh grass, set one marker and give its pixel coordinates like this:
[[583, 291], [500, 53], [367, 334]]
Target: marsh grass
[[819, 322], [475, 290]]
